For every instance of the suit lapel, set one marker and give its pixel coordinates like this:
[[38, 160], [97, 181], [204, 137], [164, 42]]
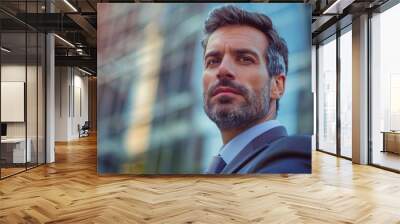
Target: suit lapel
[[253, 148]]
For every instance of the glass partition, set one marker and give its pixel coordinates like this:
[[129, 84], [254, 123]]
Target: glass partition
[[22, 90], [13, 108], [41, 91], [31, 99]]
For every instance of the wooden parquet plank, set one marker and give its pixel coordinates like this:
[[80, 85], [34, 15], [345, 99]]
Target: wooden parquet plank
[[70, 191]]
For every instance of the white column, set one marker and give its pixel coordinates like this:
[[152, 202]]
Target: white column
[[50, 92], [50, 110], [360, 90]]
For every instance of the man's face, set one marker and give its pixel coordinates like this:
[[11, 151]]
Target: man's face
[[236, 82]]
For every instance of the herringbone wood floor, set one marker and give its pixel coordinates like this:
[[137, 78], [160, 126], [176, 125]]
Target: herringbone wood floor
[[70, 191]]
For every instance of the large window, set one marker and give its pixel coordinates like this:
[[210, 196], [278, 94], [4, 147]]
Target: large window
[[385, 89], [327, 96], [346, 93]]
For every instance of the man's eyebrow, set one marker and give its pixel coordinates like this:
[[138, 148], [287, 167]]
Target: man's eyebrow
[[212, 54], [241, 51]]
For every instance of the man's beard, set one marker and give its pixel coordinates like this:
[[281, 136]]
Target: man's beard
[[252, 109]]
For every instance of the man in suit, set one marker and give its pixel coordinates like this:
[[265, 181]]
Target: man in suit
[[245, 67]]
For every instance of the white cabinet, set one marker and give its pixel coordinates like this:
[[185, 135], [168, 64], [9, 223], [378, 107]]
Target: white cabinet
[[18, 149]]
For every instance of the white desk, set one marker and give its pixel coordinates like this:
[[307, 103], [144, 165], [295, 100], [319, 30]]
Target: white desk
[[18, 154]]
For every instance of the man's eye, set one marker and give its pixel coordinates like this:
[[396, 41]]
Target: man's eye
[[211, 62], [246, 59]]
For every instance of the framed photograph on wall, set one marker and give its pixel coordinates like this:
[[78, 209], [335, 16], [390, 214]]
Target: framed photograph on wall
[[204, 88]]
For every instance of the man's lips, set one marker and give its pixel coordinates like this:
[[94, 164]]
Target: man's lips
[[225, 90]]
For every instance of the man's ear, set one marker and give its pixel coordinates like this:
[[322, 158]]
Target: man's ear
[[277, 86]]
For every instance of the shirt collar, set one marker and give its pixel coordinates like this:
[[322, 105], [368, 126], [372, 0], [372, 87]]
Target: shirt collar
[[235, 145]]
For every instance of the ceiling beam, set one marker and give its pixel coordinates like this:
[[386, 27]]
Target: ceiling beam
[[84, 61], [86, 26]]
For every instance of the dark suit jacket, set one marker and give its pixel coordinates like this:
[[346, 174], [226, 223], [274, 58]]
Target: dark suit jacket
[[273, 152]]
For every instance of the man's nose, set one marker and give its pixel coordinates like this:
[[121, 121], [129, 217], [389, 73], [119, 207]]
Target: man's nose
[[226, 69]]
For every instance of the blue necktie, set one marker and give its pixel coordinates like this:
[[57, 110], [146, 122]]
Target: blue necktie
[[217, 165]]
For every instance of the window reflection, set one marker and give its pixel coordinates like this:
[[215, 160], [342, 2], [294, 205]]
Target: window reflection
[[327, 96]]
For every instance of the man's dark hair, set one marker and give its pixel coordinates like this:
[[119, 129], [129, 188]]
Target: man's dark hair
[[277, 51]]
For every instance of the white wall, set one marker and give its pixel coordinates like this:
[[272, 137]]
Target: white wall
[[16, 73], [81, 100], [13, 72], [10, 73], [12, 101], [33, 126], [71, 94], [61, 103]]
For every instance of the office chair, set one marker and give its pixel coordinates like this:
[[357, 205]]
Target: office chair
[[84, 130]]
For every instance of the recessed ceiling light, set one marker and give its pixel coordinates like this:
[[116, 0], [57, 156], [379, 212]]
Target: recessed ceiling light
[[5, 49], [70, 5], [64, 40], [337, 7], [86, 72]]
